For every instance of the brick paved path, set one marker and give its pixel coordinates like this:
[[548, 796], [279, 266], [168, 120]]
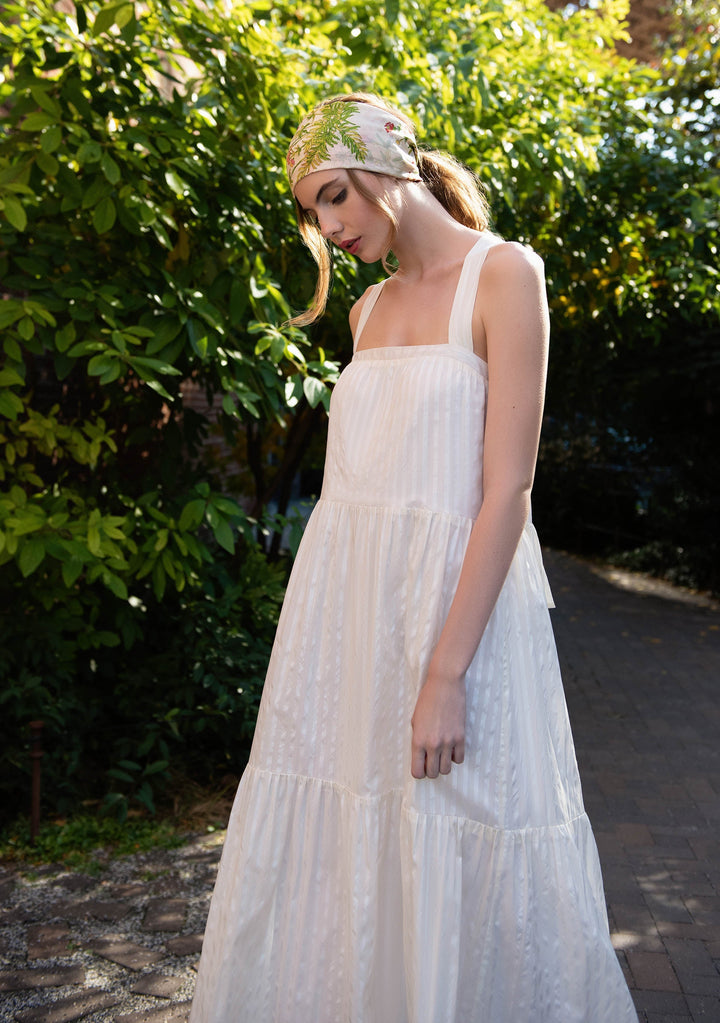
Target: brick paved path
[[642, 675]]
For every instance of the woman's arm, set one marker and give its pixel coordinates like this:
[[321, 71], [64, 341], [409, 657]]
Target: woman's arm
[[513, 304]]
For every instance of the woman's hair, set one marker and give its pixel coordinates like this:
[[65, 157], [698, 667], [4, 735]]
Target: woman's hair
[[455, 187]]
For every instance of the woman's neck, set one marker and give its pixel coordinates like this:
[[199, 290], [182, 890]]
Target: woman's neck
[[428, 239]]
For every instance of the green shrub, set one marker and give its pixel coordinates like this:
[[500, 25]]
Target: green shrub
[[182, 695]]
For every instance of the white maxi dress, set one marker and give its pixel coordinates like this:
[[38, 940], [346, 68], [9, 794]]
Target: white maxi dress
[[348, 892]]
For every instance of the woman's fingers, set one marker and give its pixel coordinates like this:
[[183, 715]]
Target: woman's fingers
[[445, 761], [417, 766], [458, 753], [429, 763]]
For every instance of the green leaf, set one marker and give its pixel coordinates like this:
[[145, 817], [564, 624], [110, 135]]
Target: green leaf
[[71, 570], [104, 215], [100, 364], [106, 18], [192, 515], [224, 535], [159, 365], [106, 638], [65, 337], [32, 553], [112, 373], [93, 540], [10, 405], [37, 121], [227, 506], [277, 348], [293, 390], [48, 164], [125, 14], [115, 584], [156, 386], [118, 340], [14, 212], [197, 332], [12, 349], [144, 795], [89, 152], [26, 328], [73, 92], [51, 139], [10, 378], [159, 580], [41, 97], [176, 182], [10, 310], [110, 169], [314, 390], [166, 329]]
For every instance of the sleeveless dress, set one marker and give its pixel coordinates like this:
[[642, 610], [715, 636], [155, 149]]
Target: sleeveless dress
[[349, 892]]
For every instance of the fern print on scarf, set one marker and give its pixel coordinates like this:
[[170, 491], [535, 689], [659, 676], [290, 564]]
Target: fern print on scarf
[[347, 134]]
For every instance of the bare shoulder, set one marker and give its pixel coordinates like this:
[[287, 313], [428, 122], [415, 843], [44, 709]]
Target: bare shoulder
[[513, 301], [514, 262], [356, 309]]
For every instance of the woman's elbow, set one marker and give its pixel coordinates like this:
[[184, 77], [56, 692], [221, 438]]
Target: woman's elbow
[[509, 493]]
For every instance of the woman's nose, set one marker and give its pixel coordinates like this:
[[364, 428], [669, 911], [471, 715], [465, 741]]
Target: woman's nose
[[329, 224]]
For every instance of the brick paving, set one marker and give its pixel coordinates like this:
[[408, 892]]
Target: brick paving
[[641, 664]]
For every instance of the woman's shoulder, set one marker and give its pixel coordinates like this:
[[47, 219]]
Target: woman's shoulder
[[513, 258]]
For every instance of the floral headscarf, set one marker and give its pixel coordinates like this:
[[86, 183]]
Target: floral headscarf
[[352, 134]]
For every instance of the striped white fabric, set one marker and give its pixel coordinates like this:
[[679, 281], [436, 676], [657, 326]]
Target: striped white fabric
[[349, 892]]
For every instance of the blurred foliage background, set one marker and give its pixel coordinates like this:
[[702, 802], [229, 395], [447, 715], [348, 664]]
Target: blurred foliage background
[[148, 247]]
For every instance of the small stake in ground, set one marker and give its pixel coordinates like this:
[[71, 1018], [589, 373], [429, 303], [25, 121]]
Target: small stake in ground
[[36, 753]]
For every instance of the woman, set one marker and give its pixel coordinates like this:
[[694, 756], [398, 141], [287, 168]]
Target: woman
[[408, 843]]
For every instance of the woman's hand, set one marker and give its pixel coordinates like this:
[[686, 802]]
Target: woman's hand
[[438, 725]]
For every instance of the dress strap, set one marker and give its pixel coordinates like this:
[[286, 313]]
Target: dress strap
[[371, 298], [460, 326]]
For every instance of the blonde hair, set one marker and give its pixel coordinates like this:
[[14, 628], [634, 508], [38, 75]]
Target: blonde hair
[[455, 187]]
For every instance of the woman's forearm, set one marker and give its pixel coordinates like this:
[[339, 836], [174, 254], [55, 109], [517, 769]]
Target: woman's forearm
[[491, 547]]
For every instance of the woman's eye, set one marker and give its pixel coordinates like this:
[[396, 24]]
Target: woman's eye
[[340, 197]]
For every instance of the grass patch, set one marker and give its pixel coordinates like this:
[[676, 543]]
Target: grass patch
[[86, 842]]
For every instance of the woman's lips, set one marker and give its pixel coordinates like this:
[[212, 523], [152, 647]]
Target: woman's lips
[[351, 245]]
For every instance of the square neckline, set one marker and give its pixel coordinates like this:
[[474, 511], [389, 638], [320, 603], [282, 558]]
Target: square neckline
[[439, 349], [487, 241]]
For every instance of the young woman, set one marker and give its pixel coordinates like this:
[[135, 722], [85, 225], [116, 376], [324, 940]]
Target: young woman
[[408, 843]]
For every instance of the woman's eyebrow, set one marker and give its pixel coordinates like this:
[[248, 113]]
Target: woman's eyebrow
[[328, 184], [323, 187]]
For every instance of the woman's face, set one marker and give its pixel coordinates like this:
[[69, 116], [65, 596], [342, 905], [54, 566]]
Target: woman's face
[[343, 215]]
